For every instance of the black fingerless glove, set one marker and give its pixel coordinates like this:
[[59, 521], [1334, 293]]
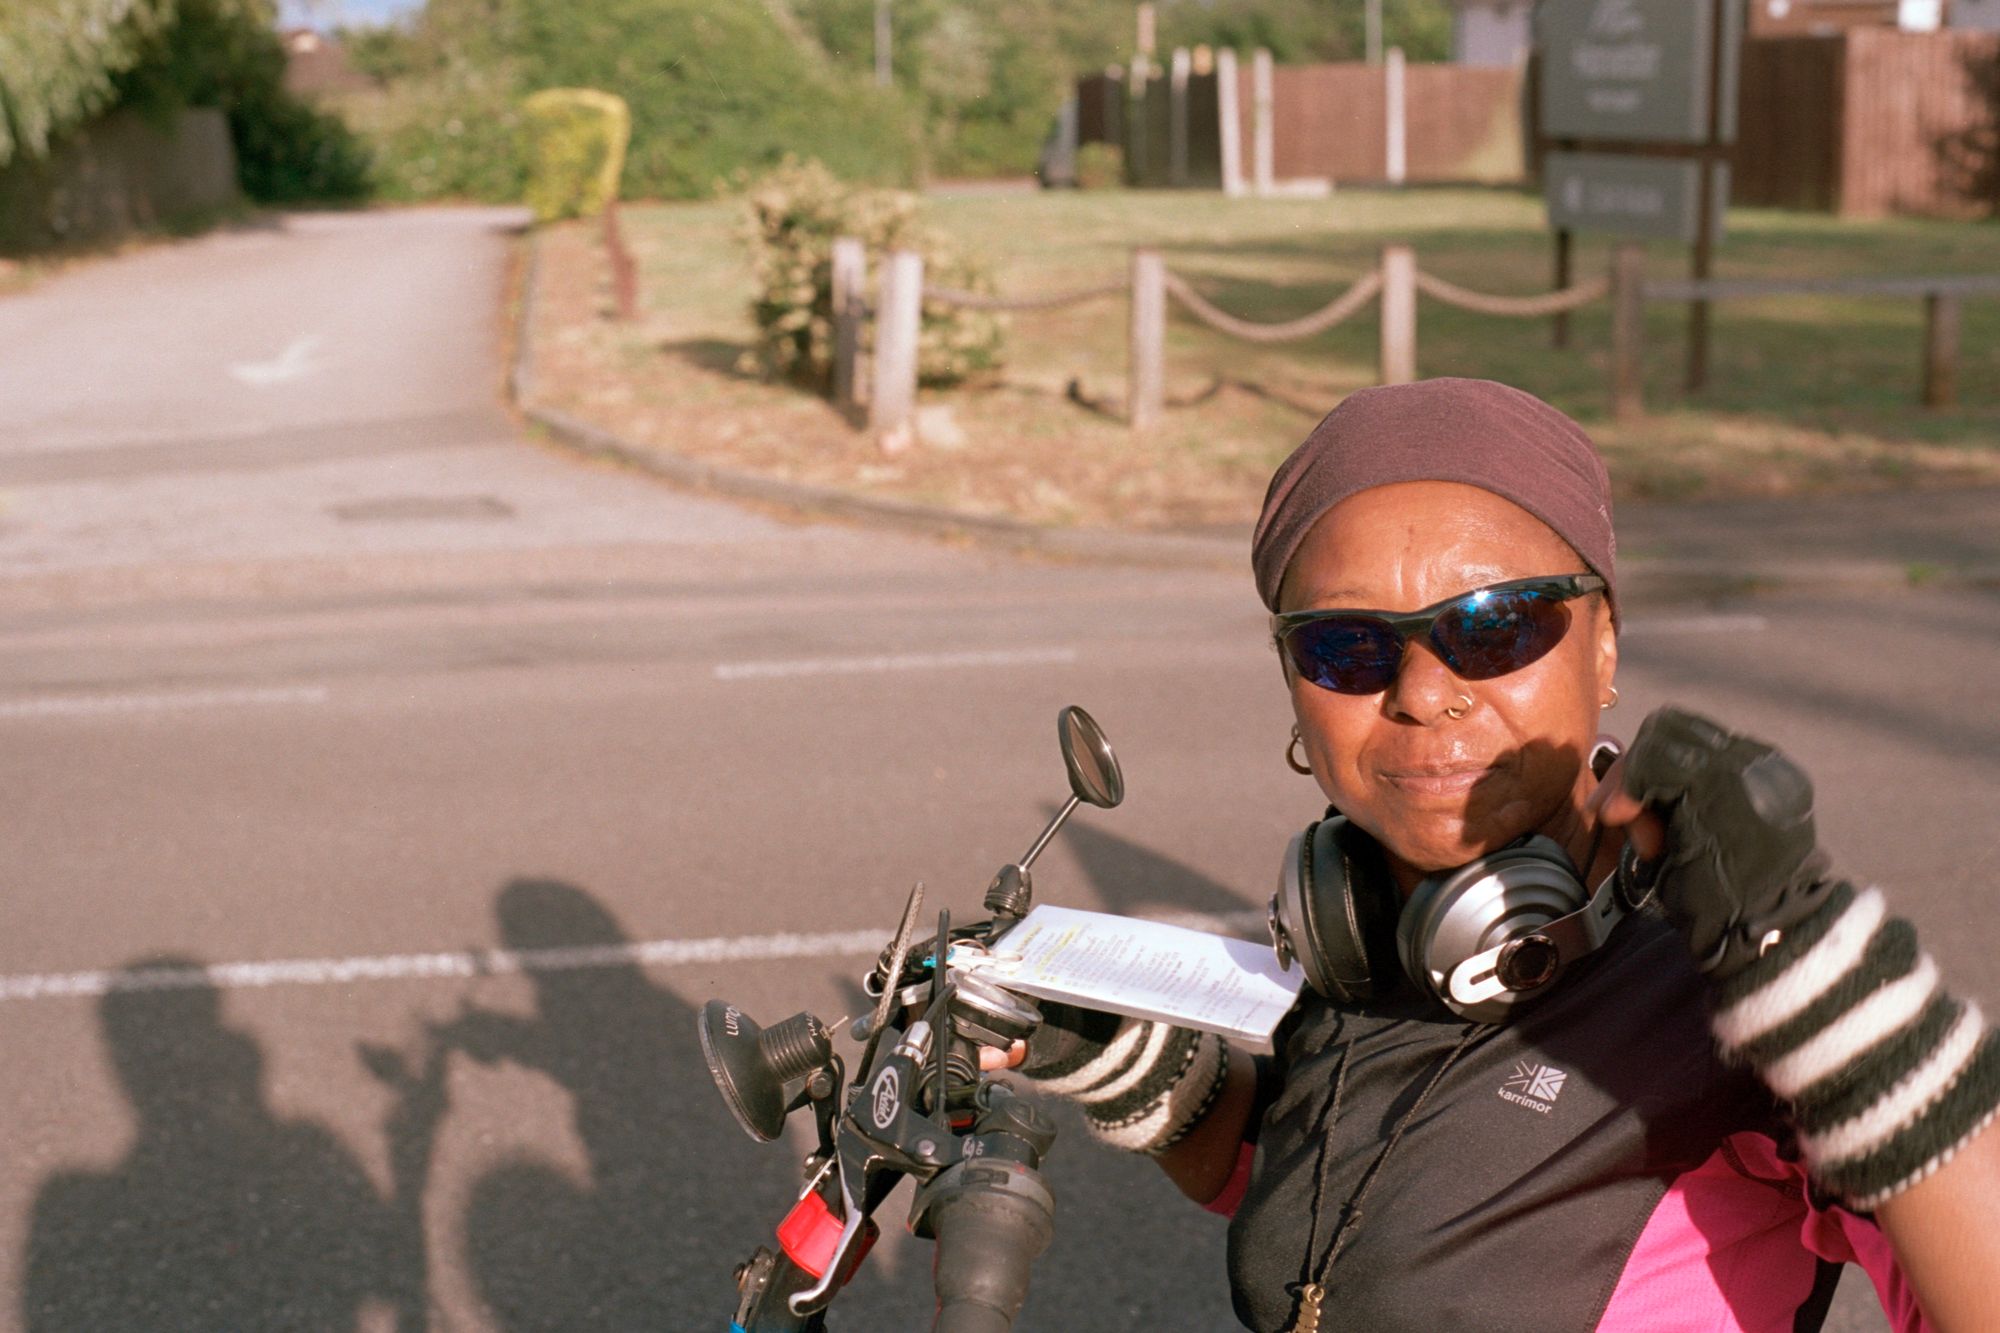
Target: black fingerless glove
[[1742, 860], [1141, 1085], [1814, 984]]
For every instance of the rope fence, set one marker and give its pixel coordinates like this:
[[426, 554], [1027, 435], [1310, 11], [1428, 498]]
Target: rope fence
[[1394, 283], [1513, 307], [1348, 303]]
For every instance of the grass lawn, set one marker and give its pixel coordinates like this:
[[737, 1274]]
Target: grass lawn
[[1806, 393]]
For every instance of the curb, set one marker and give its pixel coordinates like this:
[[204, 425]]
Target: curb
[[1108, 544], [1666, 578]]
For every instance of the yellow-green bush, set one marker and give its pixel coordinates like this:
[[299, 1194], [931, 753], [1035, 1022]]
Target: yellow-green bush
[[575, 150], [794, 213]]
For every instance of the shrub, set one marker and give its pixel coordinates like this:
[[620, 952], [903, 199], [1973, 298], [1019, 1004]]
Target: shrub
[[714, 86], [453, 133], [290, 153], [794, 213], [575, 151]]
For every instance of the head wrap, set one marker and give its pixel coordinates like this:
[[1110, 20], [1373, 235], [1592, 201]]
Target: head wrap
[[1472, 431]]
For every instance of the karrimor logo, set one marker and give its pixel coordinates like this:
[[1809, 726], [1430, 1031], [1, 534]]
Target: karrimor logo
[[1534, 1086]]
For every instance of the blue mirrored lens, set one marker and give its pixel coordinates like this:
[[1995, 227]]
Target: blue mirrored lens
[[1489, 634], [1350, 655]]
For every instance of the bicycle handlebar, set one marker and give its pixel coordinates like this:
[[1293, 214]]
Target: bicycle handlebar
[[992, 1219]]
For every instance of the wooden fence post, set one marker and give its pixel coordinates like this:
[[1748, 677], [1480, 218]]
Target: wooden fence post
[[898, 316], [1146, 393], [624, 273], [1177, 117], [1940, 349], [1229, 119], [1396, 145], [1138, 145], [1399, 314], [1262, 131], [1628, 330], [850, 283]]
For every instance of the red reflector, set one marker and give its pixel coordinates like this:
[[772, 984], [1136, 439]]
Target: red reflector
[[810, 1233]]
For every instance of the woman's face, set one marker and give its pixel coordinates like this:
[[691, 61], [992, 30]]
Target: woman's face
[[1435, 790]]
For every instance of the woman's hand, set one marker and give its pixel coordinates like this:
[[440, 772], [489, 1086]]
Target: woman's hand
[[992, 1058], [1727, 822]]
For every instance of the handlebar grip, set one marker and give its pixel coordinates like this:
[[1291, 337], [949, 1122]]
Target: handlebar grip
[[992, 1219]]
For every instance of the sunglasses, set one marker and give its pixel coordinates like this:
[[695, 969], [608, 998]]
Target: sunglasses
[[1481, 634]]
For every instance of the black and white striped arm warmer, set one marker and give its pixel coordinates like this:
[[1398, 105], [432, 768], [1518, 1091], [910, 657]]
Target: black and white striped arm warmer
[[1141, 1086], [1888, 1075]]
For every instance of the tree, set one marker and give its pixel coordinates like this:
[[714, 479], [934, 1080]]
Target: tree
[[65, 61], [59, 60]]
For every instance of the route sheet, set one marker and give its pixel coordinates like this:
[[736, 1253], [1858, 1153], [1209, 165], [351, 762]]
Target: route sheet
[[1147, 969]]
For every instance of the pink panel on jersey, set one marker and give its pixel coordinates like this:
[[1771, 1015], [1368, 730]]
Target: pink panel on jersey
[[1238, 1184], [1733, 1246]]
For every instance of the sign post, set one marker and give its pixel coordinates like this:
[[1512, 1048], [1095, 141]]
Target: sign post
[[1641, 97], [1704, 239]]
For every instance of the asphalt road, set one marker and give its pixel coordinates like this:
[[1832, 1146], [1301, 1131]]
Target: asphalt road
[[325, 667]]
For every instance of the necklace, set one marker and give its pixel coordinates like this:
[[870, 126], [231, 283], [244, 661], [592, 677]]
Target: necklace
[[1311, 1294]]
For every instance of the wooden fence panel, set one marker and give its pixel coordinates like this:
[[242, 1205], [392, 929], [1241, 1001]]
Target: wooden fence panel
[[1204, 132], [1100, 109], [1870, 123], [1789, 111], [1920, 107], [1465, 124], [1331, 122], [1148, 150]]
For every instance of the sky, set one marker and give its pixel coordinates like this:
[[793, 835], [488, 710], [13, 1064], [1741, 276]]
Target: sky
[[342, 13]]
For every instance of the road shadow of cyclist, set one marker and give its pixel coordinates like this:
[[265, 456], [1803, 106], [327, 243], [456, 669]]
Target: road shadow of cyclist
[[667, 1166], [221, 1215], [1131, 879]]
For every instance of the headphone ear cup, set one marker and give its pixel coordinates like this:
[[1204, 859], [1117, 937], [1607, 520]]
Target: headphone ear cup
[[1350, 910], [1503, 895]]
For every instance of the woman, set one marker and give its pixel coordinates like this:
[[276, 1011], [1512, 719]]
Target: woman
[[1591, 1161]]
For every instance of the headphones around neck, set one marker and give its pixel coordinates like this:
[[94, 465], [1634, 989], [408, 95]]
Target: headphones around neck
[[1480, 939]]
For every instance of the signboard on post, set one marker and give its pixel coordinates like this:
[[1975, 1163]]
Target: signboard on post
[[1658, 73], [1638, 71], [1618, 194]]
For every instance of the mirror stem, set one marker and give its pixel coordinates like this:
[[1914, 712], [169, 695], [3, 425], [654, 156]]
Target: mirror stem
[[1029, 860]]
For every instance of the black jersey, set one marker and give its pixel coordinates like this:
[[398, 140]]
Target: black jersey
[[1520, 1185]]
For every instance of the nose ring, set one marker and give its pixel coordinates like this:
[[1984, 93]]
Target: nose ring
[[1464, 707]]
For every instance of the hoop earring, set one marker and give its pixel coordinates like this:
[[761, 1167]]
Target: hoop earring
[[1607, 707], [1292, 761], [1456, 713]]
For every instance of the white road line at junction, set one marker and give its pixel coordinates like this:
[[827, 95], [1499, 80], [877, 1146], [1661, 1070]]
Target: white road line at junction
[[292, 363], [849, 666], [101, 705], [1737, 622], [492, 962], [426, 966]]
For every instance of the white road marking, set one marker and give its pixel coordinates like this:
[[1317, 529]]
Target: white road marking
[[851, 666], [472, 963], [100, 705], [292, 363], [1733, 622]]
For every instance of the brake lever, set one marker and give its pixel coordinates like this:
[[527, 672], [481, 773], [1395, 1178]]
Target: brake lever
[[871, 1165]]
